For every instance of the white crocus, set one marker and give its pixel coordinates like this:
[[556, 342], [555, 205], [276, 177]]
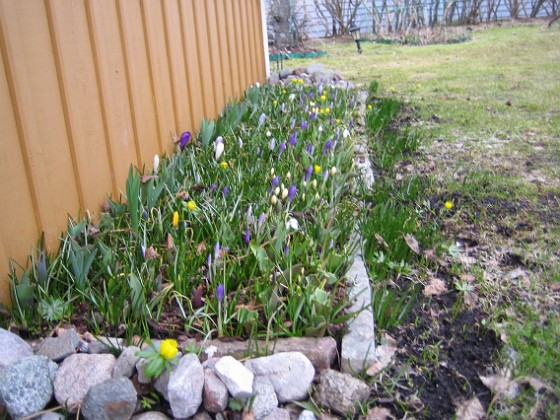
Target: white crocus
[[219, 150], [156, 164], [284, 193], [268, 133], [292, 223], [345, 133], [292, 96], [333, 170], [274, 200]]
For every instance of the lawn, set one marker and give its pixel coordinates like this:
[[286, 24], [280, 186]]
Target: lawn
[[488, 111]]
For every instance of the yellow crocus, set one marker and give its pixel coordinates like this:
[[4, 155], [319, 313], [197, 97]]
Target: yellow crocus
[[224, 165], [176, 219], [191, 205], [316, 169]]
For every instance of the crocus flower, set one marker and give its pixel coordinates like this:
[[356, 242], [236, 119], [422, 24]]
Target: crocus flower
[[327, 148], [285, 193], [197, 178], [308, 173], [346, 133], [275, 181], [272, 144], [292, 191], [247, 236], [191, 205], [293, 139], [268, 133], [282, 147], [184, 140], [213, 187], [219, 149], [224, 165], [216, 250], [316, 169], [286, 250], [274, 200], [309, 148], [220, 292], [168, 349], [262, 119], [333, 170], [304, 125], [240, 142], [292, 223], [156, 164], [262, 218], [175, 219], [226, 191]]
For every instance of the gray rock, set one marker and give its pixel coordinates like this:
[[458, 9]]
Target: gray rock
[[273, 78], [237, 378], [59, 348], [265, 397], [358, 345], [215, 395], [322, 76], [339, 392], [126, 363], [113, 399], [307, 415], [50, 416], [150, 415], [77, 374], [321, 352], [140, 368], [290, 373], [201, 416], [184, 390], [315, 67], [284, 73], [26, 385], [98, 347], [12, 348], [278, 414]]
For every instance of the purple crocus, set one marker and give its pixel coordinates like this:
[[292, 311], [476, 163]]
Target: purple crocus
[[275, 181], [247, 236], [308, 173], [272, 144], [304, 125], [309, 148], [262, 119], [220, 292], [292, 191], [184, 140], [262, 218], [293, 124], [213, 187], [217, 250], [226, 191], [327, 148], [286, 250], [293, 139], [311, 95], [282, 147]]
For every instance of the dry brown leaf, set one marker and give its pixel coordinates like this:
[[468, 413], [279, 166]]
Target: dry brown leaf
[[470, 410], [430, 254], [151, 254], [169, 242], [200, 248], [146, 178], [470, 299], [384, 355], [468, 277], [380, 240], [412, 243], [435, 287], [379, 413], [501, 384]]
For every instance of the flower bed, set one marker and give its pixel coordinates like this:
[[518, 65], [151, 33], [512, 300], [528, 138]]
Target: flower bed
[[244, 232]]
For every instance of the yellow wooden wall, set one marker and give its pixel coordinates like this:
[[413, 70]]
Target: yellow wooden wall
[[88, 87]]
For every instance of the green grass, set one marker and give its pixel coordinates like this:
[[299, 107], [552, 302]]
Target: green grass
[[489, 111]]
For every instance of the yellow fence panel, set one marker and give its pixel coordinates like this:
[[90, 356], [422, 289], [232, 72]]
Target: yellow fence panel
[[88, 87]]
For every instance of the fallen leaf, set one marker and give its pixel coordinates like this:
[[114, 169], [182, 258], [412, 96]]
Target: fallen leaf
[[169, 242], [470, 299], [379, 413], [380, 240], [200, 248], [468, 277], [501, 384], [435, 287], [412, 244], [470, 410], [151, 254], [430, 254]]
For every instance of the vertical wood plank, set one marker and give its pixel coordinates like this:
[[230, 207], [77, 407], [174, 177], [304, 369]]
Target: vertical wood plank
[[160, 78], [178, 73], [31, 74], [81, 102], [232, 48], [191, 62], [215, 51], [206, 71], [112, 81], [223, 44], [141, 97], [258, 37], [17, 212]]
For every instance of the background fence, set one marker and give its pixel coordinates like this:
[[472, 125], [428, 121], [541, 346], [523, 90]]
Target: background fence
[[88, 87], [326, 18]]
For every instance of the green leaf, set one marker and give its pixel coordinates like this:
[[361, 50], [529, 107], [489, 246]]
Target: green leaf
[[261, 256]]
